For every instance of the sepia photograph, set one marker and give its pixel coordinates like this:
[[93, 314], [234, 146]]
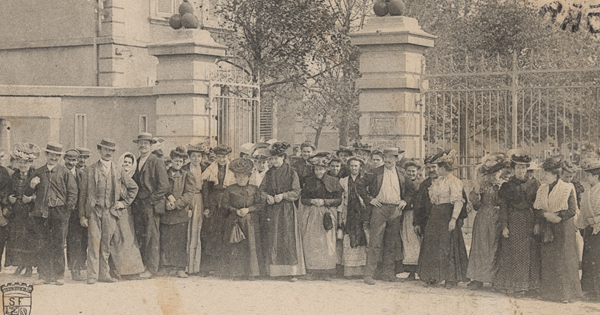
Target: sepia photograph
[[300, 157]]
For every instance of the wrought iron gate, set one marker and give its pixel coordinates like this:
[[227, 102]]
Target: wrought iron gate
[[489, 105], [235, 100]]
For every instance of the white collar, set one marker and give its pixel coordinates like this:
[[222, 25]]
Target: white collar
[[105, 164]]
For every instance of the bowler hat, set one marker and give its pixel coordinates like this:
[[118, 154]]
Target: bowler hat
[[107, 143], [84, 152], [53, 147], [145, 136]]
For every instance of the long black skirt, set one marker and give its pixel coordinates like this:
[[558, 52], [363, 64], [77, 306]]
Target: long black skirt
[[590, 267], [443, 254], [560, 266], [173, 245]]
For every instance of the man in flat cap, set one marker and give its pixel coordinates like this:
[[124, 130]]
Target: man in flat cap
[[149, 204], [76, 234], [106, 192], [56, 194]]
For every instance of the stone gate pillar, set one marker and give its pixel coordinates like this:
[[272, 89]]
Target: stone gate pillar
[[183, 109], [391, 61]]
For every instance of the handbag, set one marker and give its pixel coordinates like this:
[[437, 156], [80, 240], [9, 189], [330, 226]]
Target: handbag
[[327, 221], [237, 235], [160, 206], [546, 234]]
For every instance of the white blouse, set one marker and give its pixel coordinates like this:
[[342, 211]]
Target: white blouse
[[446, 189]]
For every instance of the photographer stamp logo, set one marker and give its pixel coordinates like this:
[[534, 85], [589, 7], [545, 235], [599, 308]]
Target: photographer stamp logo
[[16, 298]]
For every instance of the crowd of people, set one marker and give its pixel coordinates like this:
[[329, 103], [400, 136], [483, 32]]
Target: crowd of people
[[351, 212]]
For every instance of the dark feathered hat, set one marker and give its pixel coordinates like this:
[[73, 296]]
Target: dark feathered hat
[[320, 159], [241, 166], [222, 150], [519, 157], [279, 148]]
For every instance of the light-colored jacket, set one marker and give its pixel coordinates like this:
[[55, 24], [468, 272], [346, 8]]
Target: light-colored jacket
[[125, 189]]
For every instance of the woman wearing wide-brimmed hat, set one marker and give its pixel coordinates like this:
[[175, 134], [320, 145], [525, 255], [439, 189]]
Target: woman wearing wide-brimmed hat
[[195, 167], [321, 196], [244, 203], [283, 244], [22, 245], [487, 230], [588, 221], [216, 178], [519, 257], [557, 205]]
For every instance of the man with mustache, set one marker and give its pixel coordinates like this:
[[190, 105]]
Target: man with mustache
[[56, 194], [106, 192], [76, 234]]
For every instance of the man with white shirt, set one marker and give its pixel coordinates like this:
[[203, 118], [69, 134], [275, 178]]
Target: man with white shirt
[[385, 193], [149, 204], [102, 201], [76, 234], [56, 194]]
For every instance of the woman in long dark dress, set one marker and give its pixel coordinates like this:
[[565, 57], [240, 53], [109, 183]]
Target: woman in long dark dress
[[244, 204], [282, 241], [321, 196], [217, 177], [174, 223], [22, 244], [519, 256], [483, 263], [443, 255], [588, 222], [557, 202]]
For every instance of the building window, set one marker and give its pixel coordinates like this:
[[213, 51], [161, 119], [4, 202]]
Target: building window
[[143, 123], [81, 130]]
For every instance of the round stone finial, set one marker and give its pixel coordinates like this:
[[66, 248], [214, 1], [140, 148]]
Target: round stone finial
[[380, 8], [396, 7]]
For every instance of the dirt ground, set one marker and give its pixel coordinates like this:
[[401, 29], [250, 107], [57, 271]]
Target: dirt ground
[[196, 295]]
